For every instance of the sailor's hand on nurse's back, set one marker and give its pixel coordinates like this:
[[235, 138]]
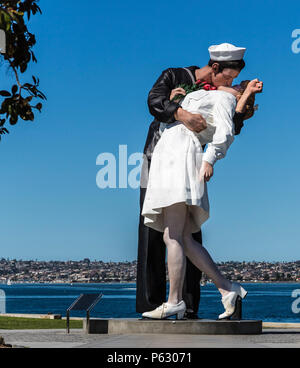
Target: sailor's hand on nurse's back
[[194, 122], [206, 171]]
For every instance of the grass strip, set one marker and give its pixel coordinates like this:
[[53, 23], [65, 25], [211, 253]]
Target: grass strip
[[20, 323]]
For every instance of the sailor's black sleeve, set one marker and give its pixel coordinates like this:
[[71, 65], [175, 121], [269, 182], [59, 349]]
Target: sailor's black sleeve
[[159, 102]]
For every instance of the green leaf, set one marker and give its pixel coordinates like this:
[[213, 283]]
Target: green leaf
[[39, 106], [5, 93], [13, 120], [14, 89]]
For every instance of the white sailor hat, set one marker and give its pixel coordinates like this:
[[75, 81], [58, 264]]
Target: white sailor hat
[[226, 52]]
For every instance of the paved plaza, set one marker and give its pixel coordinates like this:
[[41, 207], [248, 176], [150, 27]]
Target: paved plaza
[[271, 338]]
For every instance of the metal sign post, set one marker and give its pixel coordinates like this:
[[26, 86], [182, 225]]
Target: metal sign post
[[85, 302]]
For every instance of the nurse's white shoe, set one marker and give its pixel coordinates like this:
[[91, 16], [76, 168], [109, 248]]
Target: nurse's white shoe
[[230, 300], [167, 310]]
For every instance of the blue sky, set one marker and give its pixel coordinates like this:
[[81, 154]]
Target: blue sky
[[97, 63]]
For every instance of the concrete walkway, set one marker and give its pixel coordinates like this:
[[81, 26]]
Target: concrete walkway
[[271, 338]]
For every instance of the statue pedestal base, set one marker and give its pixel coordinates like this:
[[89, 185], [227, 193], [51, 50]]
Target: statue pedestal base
[[121, 326]]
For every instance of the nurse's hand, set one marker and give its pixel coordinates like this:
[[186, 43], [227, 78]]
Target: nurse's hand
[[206, 172], [177, 91], [254, 86]]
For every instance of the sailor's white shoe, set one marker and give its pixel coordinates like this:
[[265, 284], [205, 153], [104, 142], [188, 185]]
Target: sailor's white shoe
[[167, 310]]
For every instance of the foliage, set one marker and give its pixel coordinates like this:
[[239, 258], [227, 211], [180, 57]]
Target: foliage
[[19, 44], [192, 88]]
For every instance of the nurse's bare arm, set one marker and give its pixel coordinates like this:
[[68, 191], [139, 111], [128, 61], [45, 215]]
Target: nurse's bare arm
[[253, 87]]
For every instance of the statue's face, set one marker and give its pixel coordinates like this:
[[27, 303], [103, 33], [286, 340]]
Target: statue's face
[[224, 78]]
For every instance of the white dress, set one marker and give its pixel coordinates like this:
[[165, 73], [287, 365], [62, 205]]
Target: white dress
[[178, 156]]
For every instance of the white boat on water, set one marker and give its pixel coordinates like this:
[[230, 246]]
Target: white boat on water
[[8, 282]]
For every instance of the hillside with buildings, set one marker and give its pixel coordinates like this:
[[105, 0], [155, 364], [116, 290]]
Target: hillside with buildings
[[87, 271]]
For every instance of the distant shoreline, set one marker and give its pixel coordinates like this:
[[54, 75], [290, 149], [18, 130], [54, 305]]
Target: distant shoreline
[[131, 282]]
